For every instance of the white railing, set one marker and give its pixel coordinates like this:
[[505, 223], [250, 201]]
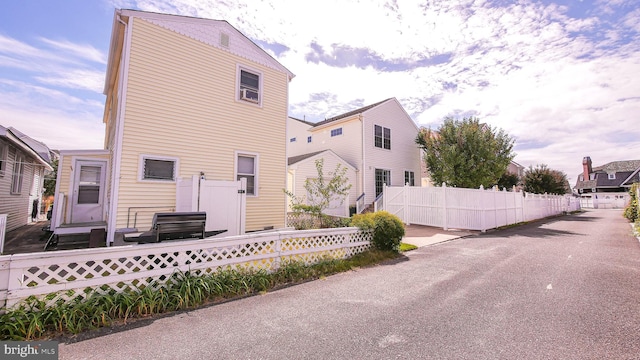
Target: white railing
[[471, 209], [71, 273], [3, 231], [360, 204]]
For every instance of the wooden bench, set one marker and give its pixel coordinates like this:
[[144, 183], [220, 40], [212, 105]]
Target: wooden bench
[[174, 225]]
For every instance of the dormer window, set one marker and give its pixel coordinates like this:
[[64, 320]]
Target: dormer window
[[592, 176], [612, 176]]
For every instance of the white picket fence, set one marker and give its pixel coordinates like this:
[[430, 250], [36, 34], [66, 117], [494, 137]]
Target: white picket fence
[[471, 209], [72, 273]]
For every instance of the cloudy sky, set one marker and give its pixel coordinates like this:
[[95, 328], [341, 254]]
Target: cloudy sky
[[561, 77]]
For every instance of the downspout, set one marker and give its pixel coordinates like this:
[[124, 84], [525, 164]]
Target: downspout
[[364, 165], [117, 152]]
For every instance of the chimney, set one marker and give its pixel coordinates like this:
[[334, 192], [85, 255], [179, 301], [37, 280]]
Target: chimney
[[586, 168]]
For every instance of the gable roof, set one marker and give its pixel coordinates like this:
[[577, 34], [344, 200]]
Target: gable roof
[[300, 158], [207, 31], [296, 159], [37, 150], [350, 113]]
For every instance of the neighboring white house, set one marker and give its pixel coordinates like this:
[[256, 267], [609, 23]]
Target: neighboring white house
[[303, 167], [378, 141]]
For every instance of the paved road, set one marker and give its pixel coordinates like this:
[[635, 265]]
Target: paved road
[[567, 288]]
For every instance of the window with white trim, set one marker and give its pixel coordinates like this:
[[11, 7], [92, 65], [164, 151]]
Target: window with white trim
[[612, 176], [309, 139], [382, 177], [246, 167], [18, 174], [249, 85], [409, 178], [159, 168], [382, 137], [336, 132], [292, 139], [4, 155]]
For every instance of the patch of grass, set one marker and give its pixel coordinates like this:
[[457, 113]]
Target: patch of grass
[[33, 319], [407, 247]]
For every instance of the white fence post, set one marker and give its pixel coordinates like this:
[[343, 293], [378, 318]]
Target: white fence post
[[405, 208], [444, 206], [3, 231]]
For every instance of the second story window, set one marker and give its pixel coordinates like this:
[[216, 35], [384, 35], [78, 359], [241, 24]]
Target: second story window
[[382, 137], [308, 139], [4, 154], [292, 139], [249, 85], [336, 132], [612, 176]]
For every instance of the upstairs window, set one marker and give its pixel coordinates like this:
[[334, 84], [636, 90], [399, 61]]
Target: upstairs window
[[158, 168], [336, 132], [249, 86], [4, 154], [382, 137], [612, 176], [292, 139], [308, 139]]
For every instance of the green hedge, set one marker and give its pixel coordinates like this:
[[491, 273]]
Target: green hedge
[[388, 229]]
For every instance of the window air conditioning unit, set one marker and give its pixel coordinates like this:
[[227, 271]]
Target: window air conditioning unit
[[249, 95]]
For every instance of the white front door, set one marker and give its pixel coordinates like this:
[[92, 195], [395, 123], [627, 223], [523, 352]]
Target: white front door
[[88, 192]]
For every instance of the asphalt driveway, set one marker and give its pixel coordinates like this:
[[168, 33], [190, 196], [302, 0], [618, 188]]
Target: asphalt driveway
[[566, 288]]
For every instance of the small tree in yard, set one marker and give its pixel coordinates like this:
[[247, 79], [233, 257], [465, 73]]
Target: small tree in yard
[[322, 191], [541, 180], [466, 153], [631, 211]]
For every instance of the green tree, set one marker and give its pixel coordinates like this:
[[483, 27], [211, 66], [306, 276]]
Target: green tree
[[631, 211], [321, 190], [508, 181], [50, 180], [466, 153], [541, 179]]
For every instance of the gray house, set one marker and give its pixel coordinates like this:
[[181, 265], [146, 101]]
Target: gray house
[[23, 164], [606, 186]]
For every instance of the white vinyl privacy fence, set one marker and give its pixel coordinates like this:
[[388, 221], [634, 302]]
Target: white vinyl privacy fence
[[471, 209], [73, 273]]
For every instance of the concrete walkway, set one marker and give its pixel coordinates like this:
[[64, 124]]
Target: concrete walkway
[[420, 235]]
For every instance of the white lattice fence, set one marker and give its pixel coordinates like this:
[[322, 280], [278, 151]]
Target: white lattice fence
[[73, 273]]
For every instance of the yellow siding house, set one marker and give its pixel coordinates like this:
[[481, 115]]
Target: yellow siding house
[[186, 98]]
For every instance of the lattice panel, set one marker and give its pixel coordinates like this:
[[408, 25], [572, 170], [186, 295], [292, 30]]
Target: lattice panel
[[313, 242], [116, 273]]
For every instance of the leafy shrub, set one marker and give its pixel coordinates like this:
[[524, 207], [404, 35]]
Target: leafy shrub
[[363, 221], [388, 229], [631, 211]]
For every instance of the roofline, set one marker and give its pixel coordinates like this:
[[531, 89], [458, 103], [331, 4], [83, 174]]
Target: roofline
[[302, 121], [321, 153], [351, 113], [174, 17], [16, 140]]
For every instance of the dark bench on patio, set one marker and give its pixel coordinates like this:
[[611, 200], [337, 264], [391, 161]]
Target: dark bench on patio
[[176, 225]]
